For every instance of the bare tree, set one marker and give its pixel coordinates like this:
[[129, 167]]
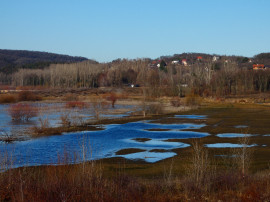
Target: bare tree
[[243, 155], [98, 106]]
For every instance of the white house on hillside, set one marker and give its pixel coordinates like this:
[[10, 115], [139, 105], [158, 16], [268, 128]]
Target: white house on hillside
[[215, 58], [175, 62], [184, 62]]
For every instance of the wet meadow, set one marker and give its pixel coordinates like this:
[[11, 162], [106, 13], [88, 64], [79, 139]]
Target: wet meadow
[[215, 151]]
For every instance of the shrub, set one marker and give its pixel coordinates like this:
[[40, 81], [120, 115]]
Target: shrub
[[28, 96], [155, 108], [199, 173], [7, 136], [192, 100], [243, 155], [98, 107], [65, 120], [76, 104], [42, 127], [8, 98], [176, 102], [22, 111], [71, 97], [44, 123], [112, 98]]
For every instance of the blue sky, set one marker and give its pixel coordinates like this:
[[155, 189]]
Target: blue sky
[[108, 29]]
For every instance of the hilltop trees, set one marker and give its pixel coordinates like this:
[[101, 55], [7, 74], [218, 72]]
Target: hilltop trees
[[13, 60]]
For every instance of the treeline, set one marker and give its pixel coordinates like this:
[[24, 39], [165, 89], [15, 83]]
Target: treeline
[[203, 78], [13, 60], [79, 75]]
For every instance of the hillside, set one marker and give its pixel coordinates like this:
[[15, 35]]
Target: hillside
[[12, 60]]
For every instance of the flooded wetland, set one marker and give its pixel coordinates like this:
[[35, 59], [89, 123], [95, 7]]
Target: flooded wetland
[[153, 140]]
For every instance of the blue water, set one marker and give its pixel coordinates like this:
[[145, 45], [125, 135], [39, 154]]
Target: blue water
[[150, 157], [191, 116], [53, 113], [233, 135], [229, 145], [91, 145], [241, 126]]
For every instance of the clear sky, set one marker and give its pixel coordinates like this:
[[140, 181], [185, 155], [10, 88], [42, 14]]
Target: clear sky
[[108, 29]]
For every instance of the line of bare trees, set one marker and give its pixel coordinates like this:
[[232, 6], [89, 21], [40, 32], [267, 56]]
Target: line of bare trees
[[204, 78]]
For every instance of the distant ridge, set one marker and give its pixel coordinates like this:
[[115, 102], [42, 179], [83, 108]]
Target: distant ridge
[[12, 60]]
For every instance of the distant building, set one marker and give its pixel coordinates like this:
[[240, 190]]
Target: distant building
[[162, 64], [258, 66], [158, 64], [184, 85], [155, 64], [199, 58], [184, 62], [215, 58], [175, 62]]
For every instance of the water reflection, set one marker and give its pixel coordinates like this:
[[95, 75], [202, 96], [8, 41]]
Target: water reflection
[[52, 112]]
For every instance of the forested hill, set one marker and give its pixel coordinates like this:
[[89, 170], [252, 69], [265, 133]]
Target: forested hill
[[12, 60]]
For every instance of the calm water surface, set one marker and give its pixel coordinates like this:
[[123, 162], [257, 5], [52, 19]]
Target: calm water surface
[[91, 145], [101, 144]]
